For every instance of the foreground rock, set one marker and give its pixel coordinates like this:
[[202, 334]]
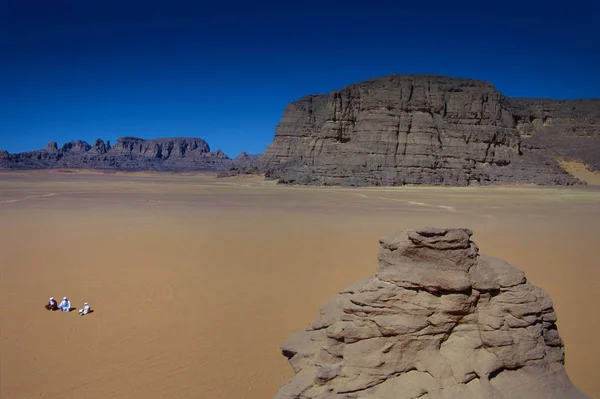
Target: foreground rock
[[128, 153], [437, 320], [433, 130]]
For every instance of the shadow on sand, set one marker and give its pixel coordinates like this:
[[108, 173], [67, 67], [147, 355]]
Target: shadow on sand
[[47, 307]]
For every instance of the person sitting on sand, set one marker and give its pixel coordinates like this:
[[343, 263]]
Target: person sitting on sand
[[85, 310], [65, 305], [52, 304]]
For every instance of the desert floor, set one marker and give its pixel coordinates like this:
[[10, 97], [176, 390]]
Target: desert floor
[[195, 281]]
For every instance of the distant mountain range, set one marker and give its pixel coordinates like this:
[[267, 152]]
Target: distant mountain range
[[128, 153], [389, 131]]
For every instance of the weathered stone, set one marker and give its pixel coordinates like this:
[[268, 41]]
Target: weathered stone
[[245, 157], [100, 146], [444, 258], [128, 153], [567, 128], [52, 147], [427, 129], [493, 337]]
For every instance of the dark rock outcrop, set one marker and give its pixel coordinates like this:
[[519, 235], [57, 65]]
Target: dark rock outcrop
[[4, 159], [242, 164], [76, 147], [424, 129], [565, 129], [161, 148], [244, 157], [128, 153], [437, 320], [52, 147], [100, 147]]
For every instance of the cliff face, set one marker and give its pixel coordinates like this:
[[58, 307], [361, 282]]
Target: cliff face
[[128, 153], [161, 148], [437, 320], [567, 129], [414, 129]]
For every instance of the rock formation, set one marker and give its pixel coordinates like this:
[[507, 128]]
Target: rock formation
[[100, 146], [242, 164], [437, 320], [52, 147], [128, 153], [566, 129], [246, 157], [425, 129]]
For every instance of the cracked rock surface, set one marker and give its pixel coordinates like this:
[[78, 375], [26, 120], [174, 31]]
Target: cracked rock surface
[[437, 320]]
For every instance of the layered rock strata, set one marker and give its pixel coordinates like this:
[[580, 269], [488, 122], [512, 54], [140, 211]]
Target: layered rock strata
[[562, 129], [427, 129], [437, 320]]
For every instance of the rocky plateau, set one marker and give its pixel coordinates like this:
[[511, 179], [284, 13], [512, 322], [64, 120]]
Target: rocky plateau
[[428, 129]]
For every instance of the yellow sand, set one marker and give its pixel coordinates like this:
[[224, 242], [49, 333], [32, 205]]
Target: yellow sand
[[581, 171], [196, 280]]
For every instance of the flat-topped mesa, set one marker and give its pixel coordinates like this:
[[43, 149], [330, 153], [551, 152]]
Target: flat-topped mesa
[[437, 320], [431, 130], [399, 129]]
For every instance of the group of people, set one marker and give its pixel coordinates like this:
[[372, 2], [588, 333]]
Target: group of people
[[65, 306]]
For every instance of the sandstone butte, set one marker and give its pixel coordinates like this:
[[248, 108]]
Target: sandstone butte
[[428, 129], [437, 320]]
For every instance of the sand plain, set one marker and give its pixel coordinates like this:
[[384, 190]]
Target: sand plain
[[197, 280]]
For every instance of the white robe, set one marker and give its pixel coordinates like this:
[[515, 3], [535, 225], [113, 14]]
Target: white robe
[[65, 305]]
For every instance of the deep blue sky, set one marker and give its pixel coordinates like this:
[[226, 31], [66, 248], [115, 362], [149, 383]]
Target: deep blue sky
[[224, 71]]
